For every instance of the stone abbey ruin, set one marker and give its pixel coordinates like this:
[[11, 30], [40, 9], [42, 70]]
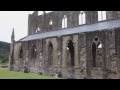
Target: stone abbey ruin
[[70, 44]]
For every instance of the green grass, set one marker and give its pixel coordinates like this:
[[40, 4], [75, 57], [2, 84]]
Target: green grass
[[6, 74]]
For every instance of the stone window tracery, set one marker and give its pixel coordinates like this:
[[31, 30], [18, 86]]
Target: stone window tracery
[[70, 53]]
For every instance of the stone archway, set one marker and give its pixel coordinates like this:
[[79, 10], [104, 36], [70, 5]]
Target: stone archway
[[97, 48], [94, 54], [50, 54], [21, 52], [70, 53]]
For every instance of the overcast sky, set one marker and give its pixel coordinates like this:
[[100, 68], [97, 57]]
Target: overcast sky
[[13, 19]]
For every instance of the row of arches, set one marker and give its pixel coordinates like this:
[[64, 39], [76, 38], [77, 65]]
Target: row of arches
[[82, 19], [69, 48], [69, 51], [70, 61], [33, 52]]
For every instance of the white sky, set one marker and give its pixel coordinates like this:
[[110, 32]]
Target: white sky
[[14, 19]]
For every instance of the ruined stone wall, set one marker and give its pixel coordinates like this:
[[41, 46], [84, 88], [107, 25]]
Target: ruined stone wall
[[91, 17], [52, 69], [111, 64], [91, 71], [39, 64], [66, 71], [42, 21], [82, 55], [79, 68], [117, 48], [33, 63], [107, 65], [112, 15], [32, 23], [18, 63]]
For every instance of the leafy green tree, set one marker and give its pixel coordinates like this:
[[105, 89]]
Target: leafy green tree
[[4, 52]]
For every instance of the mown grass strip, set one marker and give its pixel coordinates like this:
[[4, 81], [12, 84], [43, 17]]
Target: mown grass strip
[[6, 74]]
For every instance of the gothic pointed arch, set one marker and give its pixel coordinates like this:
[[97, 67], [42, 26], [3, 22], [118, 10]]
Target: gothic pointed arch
[[82, 18], [21, 52], [64, 22], [50, 54], [70, 53], [96, 51], [94, 54]]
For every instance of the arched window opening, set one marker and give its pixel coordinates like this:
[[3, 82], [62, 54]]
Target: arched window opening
[[82, 18], [64, 22], [38, 30], [101, 15], [70, 50], [21, 53], [50, 22], [97, 52], [33, 51], [94, 54], [99, 47], [50, 54]]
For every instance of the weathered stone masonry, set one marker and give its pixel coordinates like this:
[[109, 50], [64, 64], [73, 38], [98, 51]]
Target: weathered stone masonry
[[92, 50]]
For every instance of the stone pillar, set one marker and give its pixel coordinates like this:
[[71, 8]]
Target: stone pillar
[[111, 60], [82, 54], [11, 55], [76, 49], [59, 39], [64, 54]]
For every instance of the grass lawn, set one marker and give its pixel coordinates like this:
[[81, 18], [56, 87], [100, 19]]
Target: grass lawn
[[6, 74]]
